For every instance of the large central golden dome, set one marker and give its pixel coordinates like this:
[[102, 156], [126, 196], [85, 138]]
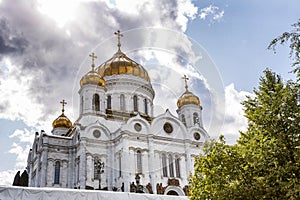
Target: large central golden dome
[[121, 64]]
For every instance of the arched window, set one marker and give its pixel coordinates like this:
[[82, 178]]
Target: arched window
[[196, 118], [108, 102], [177, 167], [81, 104], [146, 106], [164, 165], [135, 103], [171, 169], [183, 119], [96, 174], [139, 161], [56, 172], [96, 102], [120, 165], [122, 102]]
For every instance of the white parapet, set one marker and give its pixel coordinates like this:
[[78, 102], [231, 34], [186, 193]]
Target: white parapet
[[28, 193]]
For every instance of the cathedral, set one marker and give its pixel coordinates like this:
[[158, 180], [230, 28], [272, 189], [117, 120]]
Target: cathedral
[[116, 144]]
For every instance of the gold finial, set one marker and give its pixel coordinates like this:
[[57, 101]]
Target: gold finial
[[185, 81], [63, 102], [118, 33], [93, 56]]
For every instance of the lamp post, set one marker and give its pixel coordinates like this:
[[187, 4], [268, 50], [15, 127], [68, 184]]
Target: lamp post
[[100, 170], [137, 180]]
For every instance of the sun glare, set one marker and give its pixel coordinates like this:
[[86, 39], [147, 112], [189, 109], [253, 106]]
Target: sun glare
[[61, 11]]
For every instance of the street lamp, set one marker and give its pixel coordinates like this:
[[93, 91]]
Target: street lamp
[[100, 170], [138, 188]]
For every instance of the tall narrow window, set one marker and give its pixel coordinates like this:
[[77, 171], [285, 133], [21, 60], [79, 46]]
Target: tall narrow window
[[196, 118], [78, 169], [183, 119], [56, 172], [120, 165], [81, 104], [96, 175], [139, 161], [177, 167], [164, 165], [108, 102], [96, 102], [171, 169], [122, 102], [146, 106], [135, 103]]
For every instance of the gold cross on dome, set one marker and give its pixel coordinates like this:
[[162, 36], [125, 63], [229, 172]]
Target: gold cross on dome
[[118, 33], [93, 56], [185, 81], [63, 102]]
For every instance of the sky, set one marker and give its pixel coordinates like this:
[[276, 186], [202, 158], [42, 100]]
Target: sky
[[221, 45]]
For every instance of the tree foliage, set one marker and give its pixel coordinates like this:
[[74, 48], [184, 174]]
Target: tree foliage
[[265, 163], [291, 38]]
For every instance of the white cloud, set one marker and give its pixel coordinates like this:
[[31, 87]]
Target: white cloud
[[19, 102], [186, 11], [234, 120], [24, 136], [21, 153], [212, 12], [7, 177]]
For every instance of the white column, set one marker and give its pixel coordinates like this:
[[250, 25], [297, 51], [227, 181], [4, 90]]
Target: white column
[[71, 169], [30, 174], [188, 159], [44, 167], [37, 176], [125, 164], [151, 163], [109, 167], [82, 164], [64, 174], [89, 169], [50, 173]]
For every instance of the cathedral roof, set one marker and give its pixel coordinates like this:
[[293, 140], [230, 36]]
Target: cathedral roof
[[122, 64], [62, 121], [187, 97], [92, 77]]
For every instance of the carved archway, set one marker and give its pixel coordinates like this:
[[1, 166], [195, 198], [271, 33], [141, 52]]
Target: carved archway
[[174, 190]]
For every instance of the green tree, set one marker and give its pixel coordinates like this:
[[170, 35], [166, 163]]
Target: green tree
[[265, 163], [291, 38], [217, 172], [271, 143]]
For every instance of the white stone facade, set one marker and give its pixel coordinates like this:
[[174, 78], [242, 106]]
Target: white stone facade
[[126, 137]]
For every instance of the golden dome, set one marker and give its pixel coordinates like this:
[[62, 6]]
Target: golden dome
[[92, 77], [62, 121], [121, 64], [188, 98]]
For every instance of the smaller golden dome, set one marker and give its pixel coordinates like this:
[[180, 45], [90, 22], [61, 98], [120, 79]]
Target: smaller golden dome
[[92, 77], [62, 121], [188, 98]]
